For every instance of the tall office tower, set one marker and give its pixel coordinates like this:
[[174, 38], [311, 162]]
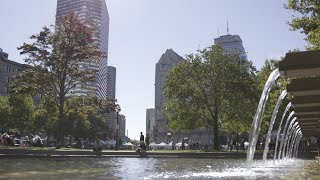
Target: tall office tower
[[166, 62], [95, 14], [111, 82], [111, 94], [232, 43], [122, 125], [150, 121]]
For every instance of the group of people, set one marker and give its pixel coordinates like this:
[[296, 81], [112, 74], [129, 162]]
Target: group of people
[[235, 145], [6, 140], [144, 143], [12, 140]]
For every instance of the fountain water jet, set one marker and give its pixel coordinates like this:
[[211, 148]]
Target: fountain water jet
[[293, 129], [255, 128], [294, 140], [287, 136], [297, 144], [273, 118], [279, 129], [284, 133]]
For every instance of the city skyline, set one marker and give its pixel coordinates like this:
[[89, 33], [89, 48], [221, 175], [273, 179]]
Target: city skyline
[[140, 31]]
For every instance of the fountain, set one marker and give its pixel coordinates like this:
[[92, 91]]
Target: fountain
[[287, 137], [293, 141], [291, 133], [273, 118], [295, 151], [255, 128], [284, 133], [287, 147], [296, 145], [279, 129]]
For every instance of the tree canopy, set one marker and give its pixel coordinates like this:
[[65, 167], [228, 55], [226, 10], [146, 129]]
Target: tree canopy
[[307, 18], [211, 89], [60, 62]]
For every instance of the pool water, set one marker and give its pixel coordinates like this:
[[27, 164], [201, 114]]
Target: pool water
[[154, 168]]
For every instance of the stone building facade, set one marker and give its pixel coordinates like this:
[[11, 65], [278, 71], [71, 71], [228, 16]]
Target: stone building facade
[[8, 69]]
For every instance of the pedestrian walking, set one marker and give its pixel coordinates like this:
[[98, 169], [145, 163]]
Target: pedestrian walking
[[141, 137]]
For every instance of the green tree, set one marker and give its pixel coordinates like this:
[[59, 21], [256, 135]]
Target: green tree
[[46, 117], [4, 112], [59, 63], [21, 114], [85, 118], [210, 89], [307, 19], [16, 112]]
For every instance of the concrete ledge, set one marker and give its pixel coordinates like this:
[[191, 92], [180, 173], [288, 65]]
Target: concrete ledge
[[150, 154]]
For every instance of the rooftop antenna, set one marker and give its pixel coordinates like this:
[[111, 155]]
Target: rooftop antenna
[[227, 26], [218, 33]]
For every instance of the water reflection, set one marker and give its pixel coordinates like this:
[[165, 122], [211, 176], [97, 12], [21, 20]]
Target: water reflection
[[151, 168]]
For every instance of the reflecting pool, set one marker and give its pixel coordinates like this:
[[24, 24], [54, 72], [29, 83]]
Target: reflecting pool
[[154, 168]]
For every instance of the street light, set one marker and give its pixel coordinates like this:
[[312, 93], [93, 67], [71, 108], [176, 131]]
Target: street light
[[168, 137]]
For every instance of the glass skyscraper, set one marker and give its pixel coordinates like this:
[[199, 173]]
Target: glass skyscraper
[[95, 14]]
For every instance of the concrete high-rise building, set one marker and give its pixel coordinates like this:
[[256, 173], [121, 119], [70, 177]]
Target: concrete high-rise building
[[95, 14], [111, 94], [111, 82], [150, 119], [166, 62], [232, 43], [122, 125]]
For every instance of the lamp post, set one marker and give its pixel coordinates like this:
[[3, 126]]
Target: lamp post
[[118, 109], [168, 137]]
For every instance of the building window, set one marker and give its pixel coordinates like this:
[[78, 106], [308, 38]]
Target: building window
[[6, 79], [5, 90], [163, 66], [8, 68]]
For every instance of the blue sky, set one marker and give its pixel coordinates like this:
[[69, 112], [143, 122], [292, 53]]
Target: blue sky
[[141, 30]]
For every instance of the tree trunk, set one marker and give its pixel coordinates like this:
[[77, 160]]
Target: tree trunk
[[57, 134], [59, 124], [62, 82], [216, 144]]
